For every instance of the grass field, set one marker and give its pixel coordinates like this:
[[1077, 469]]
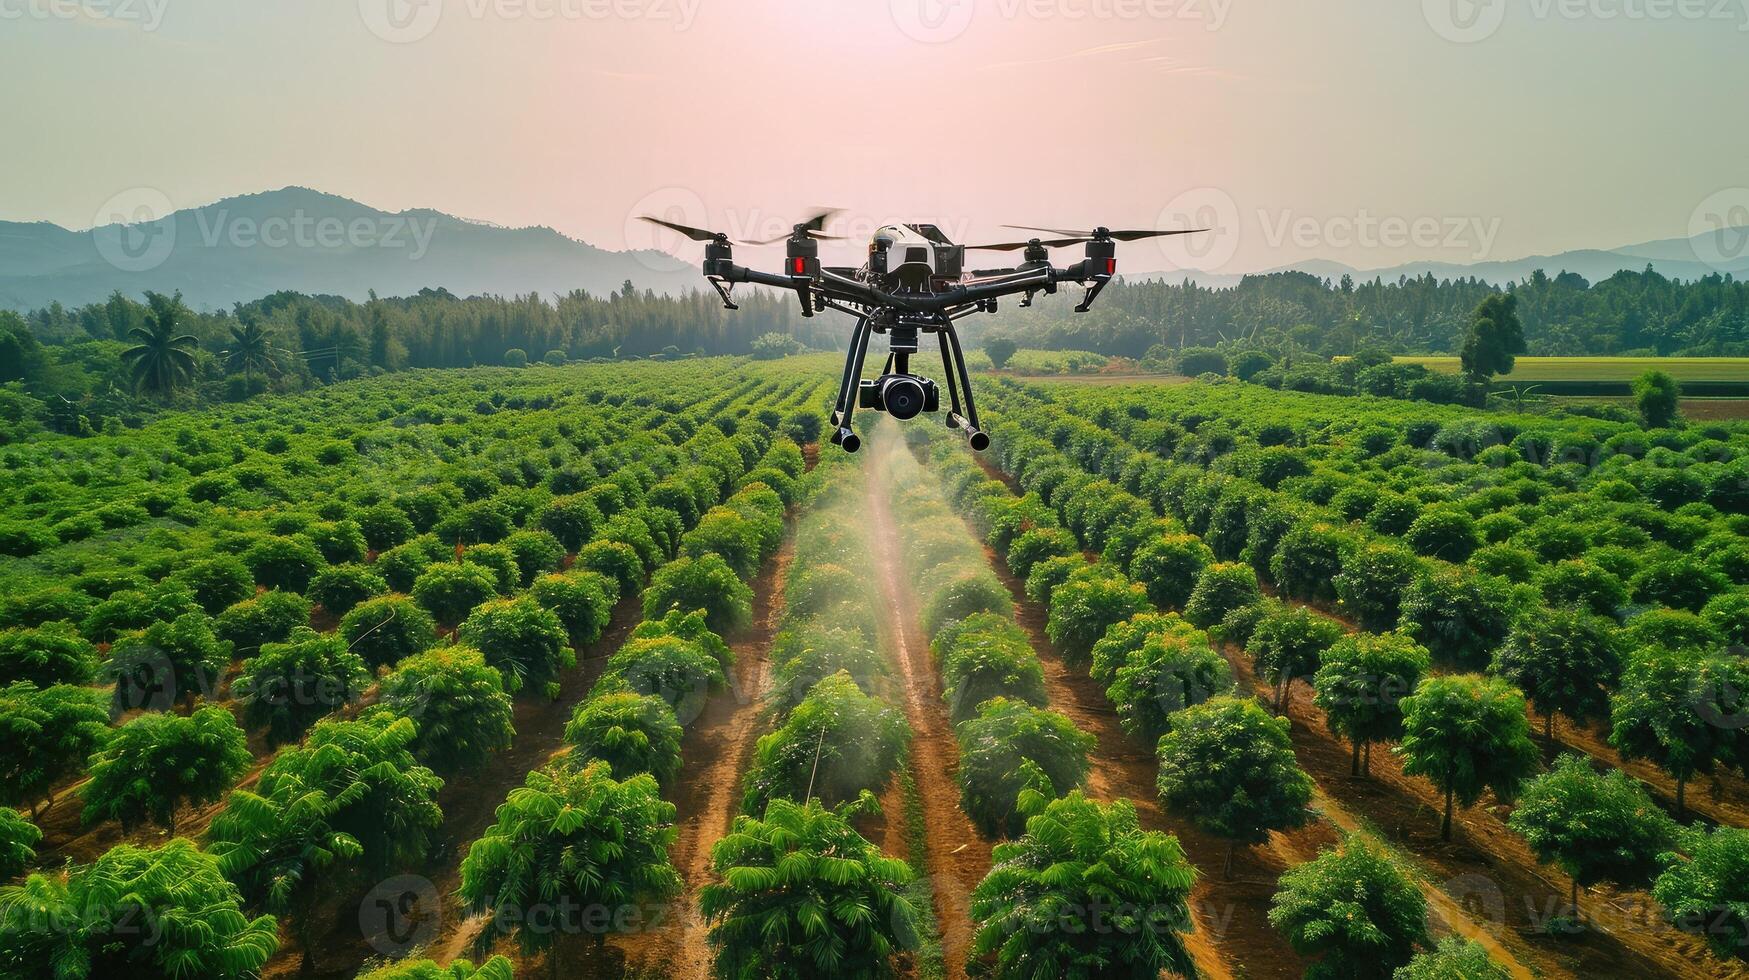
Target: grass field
[[1607, 368]]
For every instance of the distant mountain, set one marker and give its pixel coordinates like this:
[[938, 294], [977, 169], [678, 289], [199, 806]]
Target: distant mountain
[[243, 248], [1677, 258]]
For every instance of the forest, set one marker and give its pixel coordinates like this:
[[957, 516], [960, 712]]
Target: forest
[[69, 364]]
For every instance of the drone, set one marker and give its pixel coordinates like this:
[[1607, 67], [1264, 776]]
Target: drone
[[914, 282]]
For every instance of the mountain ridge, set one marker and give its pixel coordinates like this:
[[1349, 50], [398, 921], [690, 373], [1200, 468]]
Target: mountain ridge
[[298, 238]]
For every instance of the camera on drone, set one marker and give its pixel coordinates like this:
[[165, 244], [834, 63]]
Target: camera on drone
[[902, 396]]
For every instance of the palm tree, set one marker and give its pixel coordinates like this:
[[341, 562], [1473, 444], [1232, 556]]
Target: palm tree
[[162, 359], [251, 353]]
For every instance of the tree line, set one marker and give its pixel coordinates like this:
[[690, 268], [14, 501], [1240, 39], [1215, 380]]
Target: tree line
[[1630, 313]]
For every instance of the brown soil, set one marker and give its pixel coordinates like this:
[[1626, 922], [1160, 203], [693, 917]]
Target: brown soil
[[1718, 798], [1233, 936], [469, 802], [1487, 870], [717, 748], [957, 856]]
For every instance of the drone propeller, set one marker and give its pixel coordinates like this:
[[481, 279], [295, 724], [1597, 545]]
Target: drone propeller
[[810, 228], [1012, 246], [696, 234], [1104, 233]]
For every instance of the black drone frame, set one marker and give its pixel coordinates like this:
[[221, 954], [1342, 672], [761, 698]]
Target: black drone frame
[[908, 312]]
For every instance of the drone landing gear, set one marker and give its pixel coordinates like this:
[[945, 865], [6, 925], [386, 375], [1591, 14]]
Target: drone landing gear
[[953, 363]]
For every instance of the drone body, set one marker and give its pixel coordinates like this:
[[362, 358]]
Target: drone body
[[914, 282]]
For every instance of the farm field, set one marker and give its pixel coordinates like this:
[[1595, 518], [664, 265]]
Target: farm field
[[616, 670], [1527, 369]]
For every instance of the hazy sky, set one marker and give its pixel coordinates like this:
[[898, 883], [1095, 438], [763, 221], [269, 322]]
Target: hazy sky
[[1364, 131]]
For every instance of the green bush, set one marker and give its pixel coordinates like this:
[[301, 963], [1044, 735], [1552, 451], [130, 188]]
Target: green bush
[[837, 744], [449, 592], [525, 642], [386, 630], [614, 561], [984, 656], [402, 565], [1009, 747], [1703, 887], [157, 763], [1081, 610], [1459, 615], [168, 662], [51, 654], [135, 609], [456, 701], [267, 618], [535, 553], [1220, 589], [633, 733], [217, 582], [1078, 860], [681, 672], [1354, 908], [1168, 673], [1289, 644], [583, 601], [287, 686], [1170, 567], [1230, 767], [340, 587], [283, 563], [799, 887], [1595, 827], [967, 593], [706, 582], [18, 840]]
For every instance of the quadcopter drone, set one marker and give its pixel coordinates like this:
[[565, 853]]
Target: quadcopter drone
[[914, 282]]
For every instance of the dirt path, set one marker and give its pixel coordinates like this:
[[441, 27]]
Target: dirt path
[[1288, 849], [1233, 936], [1487, 871], [469, 802], [1717, 798], [716, 750], [957, 856]]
